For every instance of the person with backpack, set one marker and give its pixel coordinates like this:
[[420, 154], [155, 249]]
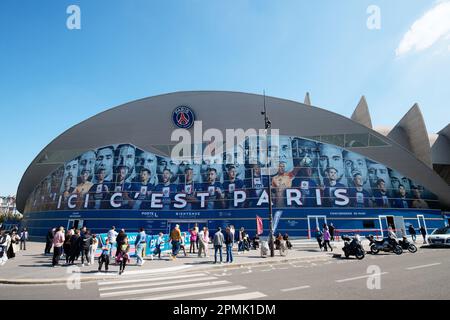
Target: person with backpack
[[140, 244], [123, 256]]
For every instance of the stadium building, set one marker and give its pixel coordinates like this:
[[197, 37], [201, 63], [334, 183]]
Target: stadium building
[[116, 169]]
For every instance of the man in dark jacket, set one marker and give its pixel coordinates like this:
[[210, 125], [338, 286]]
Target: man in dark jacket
[[423, 231], [120, 239], [74, 247], [229, 244], [85, 242], [412, 232], [49, 241], [331, 230]]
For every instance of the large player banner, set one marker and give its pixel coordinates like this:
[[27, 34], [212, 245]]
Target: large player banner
[[308, 174]]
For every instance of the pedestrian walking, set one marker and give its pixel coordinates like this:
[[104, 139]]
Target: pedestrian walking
[[86, 242], [5, 242], [175, 240], [140, 245], [326, 239], [319, 237], [112, 235], [58, 241], [423, 231], [104, 256], [120, 239], [203, 242], [74, 247], [193, 239], [159, 242], [123, 255], [331, 228], [49, 241], [14, 247], [412, 232], [23, 239], [93, 249], [229, 244], [218, 244]]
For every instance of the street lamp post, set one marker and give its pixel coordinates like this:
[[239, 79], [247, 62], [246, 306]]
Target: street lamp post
[[267, 125]]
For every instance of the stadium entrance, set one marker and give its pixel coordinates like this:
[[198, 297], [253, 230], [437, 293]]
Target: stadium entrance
[[75, 223], [315, 222], [186, 225], [421, 221], [396, 222]]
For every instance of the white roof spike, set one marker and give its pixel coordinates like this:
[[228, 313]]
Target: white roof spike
[[361, 113], [412, 134], [307, 99]]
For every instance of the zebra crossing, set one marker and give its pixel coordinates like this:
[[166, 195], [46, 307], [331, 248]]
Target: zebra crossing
[[199, 286]]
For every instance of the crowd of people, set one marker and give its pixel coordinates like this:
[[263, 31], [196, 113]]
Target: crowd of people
[[12, 242], [73, 244]]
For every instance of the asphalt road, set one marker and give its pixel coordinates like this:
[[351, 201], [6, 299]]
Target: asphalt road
[[424, 275]]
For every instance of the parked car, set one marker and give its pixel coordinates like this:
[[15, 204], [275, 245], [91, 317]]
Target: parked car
[[440, 237]]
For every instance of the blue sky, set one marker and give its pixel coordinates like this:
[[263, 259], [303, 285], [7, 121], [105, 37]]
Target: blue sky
[[51, 78]]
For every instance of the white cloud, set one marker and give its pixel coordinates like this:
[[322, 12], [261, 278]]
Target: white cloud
[[426, 31]]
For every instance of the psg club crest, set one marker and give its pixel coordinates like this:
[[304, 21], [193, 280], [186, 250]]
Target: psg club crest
[[183, 117]]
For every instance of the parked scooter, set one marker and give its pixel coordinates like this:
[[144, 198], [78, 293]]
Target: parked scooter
[[353, 247], [406, 245], [386, 245]]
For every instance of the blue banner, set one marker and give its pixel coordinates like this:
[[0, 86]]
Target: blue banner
[[150, 243]]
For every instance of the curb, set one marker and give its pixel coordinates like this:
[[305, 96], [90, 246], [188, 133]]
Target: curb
[[203, 269]]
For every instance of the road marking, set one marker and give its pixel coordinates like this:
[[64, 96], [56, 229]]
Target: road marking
[[159, 289], [296, 288], [162, 270], [193, 293], [361, 277], [193, 275], [242, 296], [154, 284], [424, 266]]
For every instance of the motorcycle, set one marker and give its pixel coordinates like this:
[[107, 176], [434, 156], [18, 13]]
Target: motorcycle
[[386, 245], [406, 245], [353, 247]]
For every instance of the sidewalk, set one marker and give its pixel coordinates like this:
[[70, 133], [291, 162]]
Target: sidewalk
[[33, 267]]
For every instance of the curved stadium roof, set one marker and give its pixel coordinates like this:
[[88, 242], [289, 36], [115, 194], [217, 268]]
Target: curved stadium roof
[[147, 123]]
